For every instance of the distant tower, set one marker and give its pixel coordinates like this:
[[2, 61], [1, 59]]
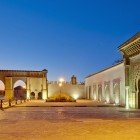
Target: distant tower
[[73, 80]]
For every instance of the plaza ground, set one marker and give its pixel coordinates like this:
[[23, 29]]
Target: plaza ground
[[84, 120]]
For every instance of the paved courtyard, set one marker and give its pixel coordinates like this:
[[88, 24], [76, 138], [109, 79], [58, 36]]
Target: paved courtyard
[[36, 120]]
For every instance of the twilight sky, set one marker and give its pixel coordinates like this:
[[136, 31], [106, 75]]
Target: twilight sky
[[65, 36]]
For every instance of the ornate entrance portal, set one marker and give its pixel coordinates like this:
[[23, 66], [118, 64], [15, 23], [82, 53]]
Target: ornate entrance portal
[[35, 81], [131, 54]]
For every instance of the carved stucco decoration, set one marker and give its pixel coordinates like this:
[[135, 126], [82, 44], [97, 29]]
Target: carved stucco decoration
[[134, 76]]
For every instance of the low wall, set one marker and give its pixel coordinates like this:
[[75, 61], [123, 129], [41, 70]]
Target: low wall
[[10, 103]]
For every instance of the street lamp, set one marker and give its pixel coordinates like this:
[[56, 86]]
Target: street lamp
[[61, 80]]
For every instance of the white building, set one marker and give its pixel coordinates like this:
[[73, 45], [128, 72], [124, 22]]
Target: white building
[[119, 84]]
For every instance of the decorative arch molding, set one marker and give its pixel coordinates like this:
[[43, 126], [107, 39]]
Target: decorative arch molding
[[117, 80], [3, 80], [2, 86], [137, 77], [134, 76], [14, 80]]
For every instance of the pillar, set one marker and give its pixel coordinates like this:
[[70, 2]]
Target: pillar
[[127, 70], [9, 94], [127, 97], [44, 88], [36, 94], [28, 89]]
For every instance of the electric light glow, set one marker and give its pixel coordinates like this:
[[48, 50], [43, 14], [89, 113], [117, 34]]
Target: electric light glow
[[75, 96]]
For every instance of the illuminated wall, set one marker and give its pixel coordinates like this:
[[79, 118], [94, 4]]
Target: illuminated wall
[[107, 85], [75, 91]]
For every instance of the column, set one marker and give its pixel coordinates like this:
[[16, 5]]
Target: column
[[9, 94], [36, 94], [127, 67], [44, 88], [28, 89], [127, 97]]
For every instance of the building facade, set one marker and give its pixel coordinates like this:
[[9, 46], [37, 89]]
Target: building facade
[[35, 83], [118, 84]]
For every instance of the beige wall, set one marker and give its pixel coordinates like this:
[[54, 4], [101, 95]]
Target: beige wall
[[75, 91], [37, 85]]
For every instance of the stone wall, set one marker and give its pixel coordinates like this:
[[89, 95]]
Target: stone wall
[[75, 91]]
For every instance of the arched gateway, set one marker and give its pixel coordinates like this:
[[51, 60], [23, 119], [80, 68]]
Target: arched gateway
[[36, 82]]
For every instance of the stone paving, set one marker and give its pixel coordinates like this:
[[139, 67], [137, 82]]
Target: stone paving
[[39, 120]]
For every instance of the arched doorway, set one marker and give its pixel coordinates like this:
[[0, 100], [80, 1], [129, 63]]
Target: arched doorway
[[32, 95], [2, 90], [19, 90], [107, 94], [117, 93], [40, 95], [139, 93], [99, 93]]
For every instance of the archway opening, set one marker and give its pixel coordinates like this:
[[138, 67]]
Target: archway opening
[[32, 96], [2, 90], [40, 95], [117, 93], [19, 90]]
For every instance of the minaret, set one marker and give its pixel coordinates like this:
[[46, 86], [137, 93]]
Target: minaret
[[73, 80]]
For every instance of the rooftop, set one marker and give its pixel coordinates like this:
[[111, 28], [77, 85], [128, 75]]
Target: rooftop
[[136, 36]]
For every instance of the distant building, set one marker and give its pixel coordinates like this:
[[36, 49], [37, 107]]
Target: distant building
[[120, 83], [73, 80], [35, 81]]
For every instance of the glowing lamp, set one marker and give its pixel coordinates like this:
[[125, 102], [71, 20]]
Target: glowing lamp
[[75, 96]]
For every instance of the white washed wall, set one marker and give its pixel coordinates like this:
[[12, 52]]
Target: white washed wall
[[110, 75]]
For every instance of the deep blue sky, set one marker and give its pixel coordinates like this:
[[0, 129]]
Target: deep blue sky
[[65, 36]]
